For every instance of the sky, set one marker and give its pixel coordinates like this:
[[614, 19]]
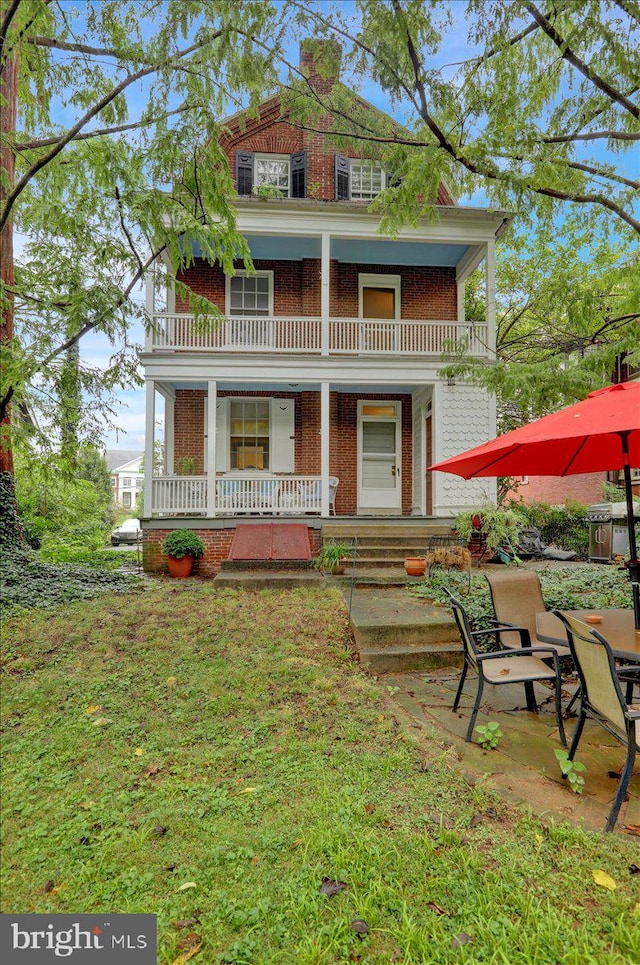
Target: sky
[[95, 348]]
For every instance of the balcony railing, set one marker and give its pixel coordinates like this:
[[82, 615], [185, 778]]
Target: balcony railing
[[267, 495], [293, 334]]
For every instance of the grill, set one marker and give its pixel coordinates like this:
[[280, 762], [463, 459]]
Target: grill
[[608, 534]]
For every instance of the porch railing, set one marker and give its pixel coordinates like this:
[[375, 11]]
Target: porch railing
[[237, 495], [297, 334]]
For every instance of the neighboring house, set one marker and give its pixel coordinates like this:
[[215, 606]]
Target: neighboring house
[[326, 363], [587, 488], [126, 476]]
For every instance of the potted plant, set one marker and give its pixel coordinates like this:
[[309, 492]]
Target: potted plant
[[415, 565], [497, 527], [182, 547], [332, 557]]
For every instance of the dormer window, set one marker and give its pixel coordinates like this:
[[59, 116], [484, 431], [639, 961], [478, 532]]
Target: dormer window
[[367, 180], [272, 171], [283, 173], [359, 179]]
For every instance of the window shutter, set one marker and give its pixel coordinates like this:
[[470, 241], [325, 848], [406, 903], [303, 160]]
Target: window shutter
[[342, 178], [283, 430], [244, 172], [392, 181], [299, 175]]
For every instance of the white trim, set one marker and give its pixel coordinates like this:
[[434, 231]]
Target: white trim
[[242, 273], [325, 449], [380, 281], [211, 446], [150, 419]]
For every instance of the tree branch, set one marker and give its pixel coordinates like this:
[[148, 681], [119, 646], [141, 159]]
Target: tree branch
[[7, 19], [629, 9], [100, 132], [90, 114], [591, 136], [580, 64]]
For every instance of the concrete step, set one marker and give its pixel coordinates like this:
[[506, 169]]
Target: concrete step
[[401, 659], [394, 631], [266, 565], [385, 530], [283, 579]]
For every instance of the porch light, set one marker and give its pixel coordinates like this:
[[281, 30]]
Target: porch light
[[451, 380]]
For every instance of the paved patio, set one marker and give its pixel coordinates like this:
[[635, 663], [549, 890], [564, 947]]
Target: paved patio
[[523, 768]]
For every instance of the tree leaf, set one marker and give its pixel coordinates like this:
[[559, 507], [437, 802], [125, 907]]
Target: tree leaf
[[187, 884], [603, 880]]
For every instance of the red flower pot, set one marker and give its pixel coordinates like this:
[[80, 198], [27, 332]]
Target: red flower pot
[[180, 568], [415, 565]]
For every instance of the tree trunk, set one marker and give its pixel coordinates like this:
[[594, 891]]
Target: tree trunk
[[8, 98]]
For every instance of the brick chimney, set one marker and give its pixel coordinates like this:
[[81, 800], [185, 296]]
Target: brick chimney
[[320, 62]]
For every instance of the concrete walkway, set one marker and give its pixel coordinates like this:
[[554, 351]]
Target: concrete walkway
[[523, 768]]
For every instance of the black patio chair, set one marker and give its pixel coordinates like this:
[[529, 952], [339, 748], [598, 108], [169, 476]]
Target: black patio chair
[[505, 666]]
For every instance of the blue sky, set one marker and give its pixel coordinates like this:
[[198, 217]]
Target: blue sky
[[96, 350]]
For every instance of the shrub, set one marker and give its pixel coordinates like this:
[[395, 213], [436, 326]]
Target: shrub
[[566, 527], [183, 542], [500, 527]]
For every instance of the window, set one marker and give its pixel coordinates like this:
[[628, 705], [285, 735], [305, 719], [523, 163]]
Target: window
[[113, 482], [367, 180], [126, 499], [126, 481], [250, 294], [274, 172], [249, 424]]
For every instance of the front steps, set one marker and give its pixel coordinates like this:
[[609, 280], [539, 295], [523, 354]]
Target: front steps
[[385, 544], [395, 632]]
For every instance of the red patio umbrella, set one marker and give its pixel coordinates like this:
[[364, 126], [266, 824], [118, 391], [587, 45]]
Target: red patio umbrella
[[601, 433]]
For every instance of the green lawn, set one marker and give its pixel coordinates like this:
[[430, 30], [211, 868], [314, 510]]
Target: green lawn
[[213, 756]]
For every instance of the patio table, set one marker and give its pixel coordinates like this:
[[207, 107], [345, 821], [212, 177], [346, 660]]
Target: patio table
[[617, 627]]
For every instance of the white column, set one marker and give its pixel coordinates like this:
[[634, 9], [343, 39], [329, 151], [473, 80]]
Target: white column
[[171, 291], [490, 270], [211, 447], [169, 434], [324, 447], [149, 434], [325, 269], [460, 286]]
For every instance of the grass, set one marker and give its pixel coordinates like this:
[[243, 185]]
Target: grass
[[212, 756]]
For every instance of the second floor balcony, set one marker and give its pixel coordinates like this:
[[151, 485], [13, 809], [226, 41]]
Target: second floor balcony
[[182, 332]]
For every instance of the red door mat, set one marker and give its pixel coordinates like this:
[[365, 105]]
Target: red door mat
[[270, 541]]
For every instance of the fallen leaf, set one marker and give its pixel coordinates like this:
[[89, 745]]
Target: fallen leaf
[[87, 804], [502, 673], [632, 829], [539, 839], [436, 909], [159, 830], [187, 884], [152, 771], [171, 681], [93, 709], [360, 926], [603, 880], [49, 886], [101, 721], [248, 790], [138, 752], [369, 808], [181, 959], [330, 887], [186, 922], [189, 940], [461, 939], [476, 820], [634, 869]]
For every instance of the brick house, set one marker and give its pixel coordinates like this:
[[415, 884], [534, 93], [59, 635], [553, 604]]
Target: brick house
[[319, 392]]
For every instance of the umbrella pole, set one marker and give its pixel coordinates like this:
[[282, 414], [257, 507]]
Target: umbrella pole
[[633, 564]]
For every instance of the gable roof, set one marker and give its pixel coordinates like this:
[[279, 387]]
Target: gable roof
[[119, 458]]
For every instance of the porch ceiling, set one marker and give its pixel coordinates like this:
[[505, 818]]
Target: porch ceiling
[[356, 251]]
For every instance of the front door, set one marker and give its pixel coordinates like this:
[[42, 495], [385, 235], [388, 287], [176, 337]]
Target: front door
[[379, 451]]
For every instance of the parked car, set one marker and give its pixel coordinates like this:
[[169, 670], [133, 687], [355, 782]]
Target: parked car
[[126, 532]]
